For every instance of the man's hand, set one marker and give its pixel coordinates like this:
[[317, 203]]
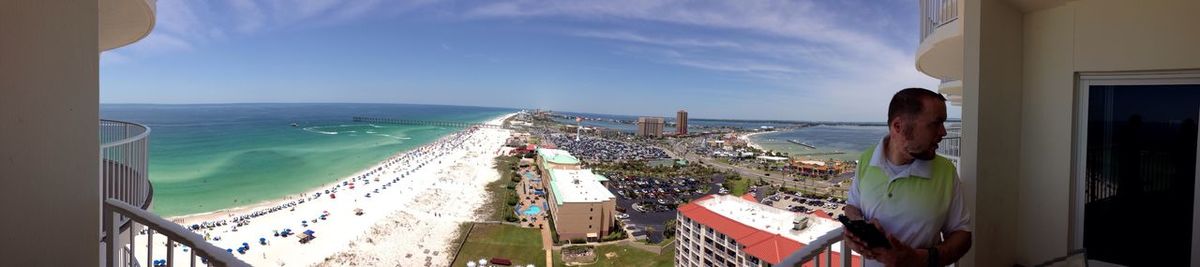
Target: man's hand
[[855, 244], [899, 255]]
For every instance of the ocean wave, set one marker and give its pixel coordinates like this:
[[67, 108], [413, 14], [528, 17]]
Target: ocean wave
[[314, 130]]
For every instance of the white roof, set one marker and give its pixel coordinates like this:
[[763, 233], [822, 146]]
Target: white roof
[[813, 162], [578, 186], [767, 218], [772, 158]]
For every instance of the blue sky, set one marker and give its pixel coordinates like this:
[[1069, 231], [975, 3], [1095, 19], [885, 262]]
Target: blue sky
[[796, 60]]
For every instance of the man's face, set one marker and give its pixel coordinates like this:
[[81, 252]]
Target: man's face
[[921, 133]]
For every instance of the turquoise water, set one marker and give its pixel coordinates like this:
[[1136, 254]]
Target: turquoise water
[[533, 210], [847, 142], [205, 158]]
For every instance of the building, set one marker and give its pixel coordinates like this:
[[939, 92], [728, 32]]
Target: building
[[66, 173], [725, 230], [1048, 91], [681, 120], [580, 204], [650, 126], [549, 158], [582, 207]]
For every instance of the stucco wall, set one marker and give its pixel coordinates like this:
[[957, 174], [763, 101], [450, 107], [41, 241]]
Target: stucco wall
[[1082, 36], [49, 145], [573, 219]]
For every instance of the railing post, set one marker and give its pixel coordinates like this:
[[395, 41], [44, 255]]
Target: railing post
[[170, 252], [149, 244], [845, 254], [110, 238]]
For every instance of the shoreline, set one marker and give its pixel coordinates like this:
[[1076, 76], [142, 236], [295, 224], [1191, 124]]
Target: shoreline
[[416, 192], [181, 219], [751, 143]]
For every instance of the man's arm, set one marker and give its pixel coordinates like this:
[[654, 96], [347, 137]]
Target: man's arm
[[955, 246]]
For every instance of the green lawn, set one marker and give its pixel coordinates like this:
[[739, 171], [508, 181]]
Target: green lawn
[[521, 245], [626, 256], [739, 187], [497, 208]]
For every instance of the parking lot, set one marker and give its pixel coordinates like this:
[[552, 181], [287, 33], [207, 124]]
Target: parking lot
[[796, 203], [651, 202]]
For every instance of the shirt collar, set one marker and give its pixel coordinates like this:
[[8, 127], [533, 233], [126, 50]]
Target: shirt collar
[[919, 168]]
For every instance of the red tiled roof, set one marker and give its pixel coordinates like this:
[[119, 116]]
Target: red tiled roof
[[749, 197], [821, 213], [766, 246]]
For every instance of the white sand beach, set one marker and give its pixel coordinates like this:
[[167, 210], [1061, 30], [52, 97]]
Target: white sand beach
[[749, 142], [412, 205]]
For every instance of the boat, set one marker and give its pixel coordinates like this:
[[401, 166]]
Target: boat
[[295, 124], [794, 141]]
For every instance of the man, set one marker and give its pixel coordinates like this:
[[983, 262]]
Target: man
[[908, 192]]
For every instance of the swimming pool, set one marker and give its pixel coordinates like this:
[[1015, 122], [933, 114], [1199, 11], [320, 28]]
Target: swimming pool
[[532, 211]]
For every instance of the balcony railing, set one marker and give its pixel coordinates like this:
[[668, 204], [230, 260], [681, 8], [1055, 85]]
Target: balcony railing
[[935, 13], [121, 255], [950, 145], [821, 251], [124, 158]]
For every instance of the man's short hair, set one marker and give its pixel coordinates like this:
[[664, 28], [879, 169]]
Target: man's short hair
[[909, 102]]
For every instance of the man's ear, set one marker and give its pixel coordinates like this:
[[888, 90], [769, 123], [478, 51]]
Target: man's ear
[[896, 125]]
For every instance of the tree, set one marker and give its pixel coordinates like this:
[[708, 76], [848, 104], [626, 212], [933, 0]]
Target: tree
[[669, 228]]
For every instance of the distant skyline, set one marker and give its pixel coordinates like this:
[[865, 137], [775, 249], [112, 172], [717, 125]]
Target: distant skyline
[[761, 60]]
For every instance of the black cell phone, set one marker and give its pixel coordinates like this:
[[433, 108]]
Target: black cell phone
[[866, 232]]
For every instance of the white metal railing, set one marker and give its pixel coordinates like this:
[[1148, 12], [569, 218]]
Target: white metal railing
[[935, 13], [823, 246], [949, 146], [209, 254], [124, 158]]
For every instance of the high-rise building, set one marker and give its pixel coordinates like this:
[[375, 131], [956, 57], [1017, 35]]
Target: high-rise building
[[725, 230], [681, 122], [650, 126]]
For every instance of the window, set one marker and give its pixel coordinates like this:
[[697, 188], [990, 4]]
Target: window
[[1136, 140], [589, 226]]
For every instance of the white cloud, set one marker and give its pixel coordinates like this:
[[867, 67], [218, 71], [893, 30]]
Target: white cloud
[[817, 59]]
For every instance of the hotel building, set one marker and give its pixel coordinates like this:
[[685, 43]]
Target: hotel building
[[681, 120], [650, 126], [580, 204], [725, 230]]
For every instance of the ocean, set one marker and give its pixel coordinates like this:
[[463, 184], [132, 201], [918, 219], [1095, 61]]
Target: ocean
[[850, 141], [208, 157]]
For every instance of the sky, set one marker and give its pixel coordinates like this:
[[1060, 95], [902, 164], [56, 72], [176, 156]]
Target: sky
[[777, 60]]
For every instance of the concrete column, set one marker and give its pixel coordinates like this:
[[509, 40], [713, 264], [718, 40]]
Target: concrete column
[[991, 127], [49, 137]]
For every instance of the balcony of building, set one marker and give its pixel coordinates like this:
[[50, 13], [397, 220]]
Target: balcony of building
[[128, 196], [950, 146], [123, 22], [940, 53], [826, 250]]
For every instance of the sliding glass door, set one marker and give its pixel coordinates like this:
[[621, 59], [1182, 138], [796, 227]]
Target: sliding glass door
[[1135, 184]]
